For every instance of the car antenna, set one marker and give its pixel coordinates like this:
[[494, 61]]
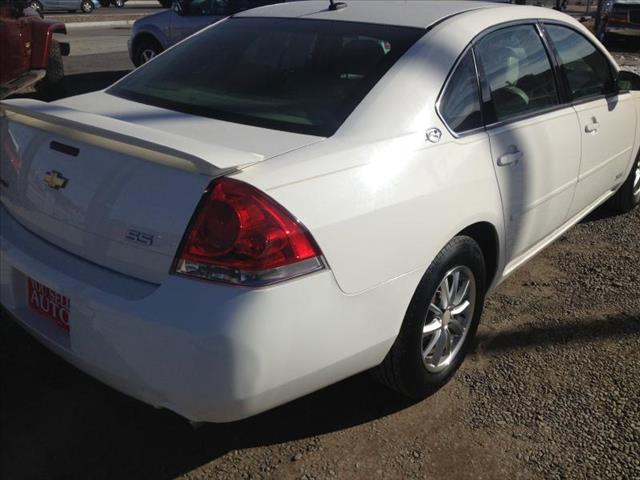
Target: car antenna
[[336, 5]]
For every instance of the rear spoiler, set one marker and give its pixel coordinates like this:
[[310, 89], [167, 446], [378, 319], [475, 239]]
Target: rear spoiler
[[127, 138]]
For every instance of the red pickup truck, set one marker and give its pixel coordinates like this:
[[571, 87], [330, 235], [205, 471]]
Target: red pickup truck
[[28, 53]]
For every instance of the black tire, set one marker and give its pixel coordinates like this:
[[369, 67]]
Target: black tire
[[118, 3], [86, 6], [628, 197], [142, 48], [602, 33], [165, 3], [403, 369], [51, 86]]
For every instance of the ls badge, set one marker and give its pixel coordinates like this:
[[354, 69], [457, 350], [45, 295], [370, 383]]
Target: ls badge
[[55, 180]]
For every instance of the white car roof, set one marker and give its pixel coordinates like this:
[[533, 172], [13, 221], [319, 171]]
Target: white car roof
[[406, 13]]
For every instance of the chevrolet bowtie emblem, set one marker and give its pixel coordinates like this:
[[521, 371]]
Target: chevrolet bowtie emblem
[[55, 180]]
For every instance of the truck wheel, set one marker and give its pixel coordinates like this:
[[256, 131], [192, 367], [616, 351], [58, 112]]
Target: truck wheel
[[165, 3], [146, 48], [52, 85], [86, 6], [602, 33]]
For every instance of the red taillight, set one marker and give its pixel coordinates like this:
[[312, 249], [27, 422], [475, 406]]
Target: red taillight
[[240, 235]]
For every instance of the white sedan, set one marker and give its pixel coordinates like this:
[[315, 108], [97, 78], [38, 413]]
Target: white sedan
[[331, 189]]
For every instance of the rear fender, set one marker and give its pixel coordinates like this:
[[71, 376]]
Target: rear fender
[[42, 37]]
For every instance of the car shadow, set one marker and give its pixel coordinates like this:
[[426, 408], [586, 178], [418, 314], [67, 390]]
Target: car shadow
[[77, 84], [58, 420], [567, 332], [89, 82]]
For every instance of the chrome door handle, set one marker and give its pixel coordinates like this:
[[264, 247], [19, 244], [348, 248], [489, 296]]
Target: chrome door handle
[[512, 158], [592, 127]]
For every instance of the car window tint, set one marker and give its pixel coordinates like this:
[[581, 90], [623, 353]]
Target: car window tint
[[208, 7], [236, 6], [518, 71], [460, 105], [298, 75], [586, 68]]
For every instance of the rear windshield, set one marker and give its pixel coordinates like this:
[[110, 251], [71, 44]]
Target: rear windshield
[[303, 76]]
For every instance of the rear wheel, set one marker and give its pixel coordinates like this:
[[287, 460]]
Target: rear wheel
[[52, 85], [146, 48], [440, 323], [628, 197], [86, 6]]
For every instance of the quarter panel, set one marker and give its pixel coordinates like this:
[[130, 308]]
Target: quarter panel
[[395, 209]]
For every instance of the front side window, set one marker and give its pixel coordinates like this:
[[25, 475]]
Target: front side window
[[206, 7], [586, 68], [460, 105], [297, 75], [518, 70]]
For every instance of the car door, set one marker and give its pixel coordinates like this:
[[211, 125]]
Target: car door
[[607, 118], [535, 139], [196, 15], [14, 56]]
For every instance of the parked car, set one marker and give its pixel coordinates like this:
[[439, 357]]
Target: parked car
[[155, 33], [85, 6], [28, 53], [619, 18], [301, 193], [115, 3]]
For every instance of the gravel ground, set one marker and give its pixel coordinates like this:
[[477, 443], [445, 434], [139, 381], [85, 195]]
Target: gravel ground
[[550, 391]]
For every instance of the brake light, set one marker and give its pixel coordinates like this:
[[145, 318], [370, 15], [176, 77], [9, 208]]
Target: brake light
[[240, 235]]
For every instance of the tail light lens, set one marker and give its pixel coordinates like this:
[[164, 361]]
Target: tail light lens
[[240, 235]]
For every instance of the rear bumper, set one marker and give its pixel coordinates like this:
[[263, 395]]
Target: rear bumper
[[208, 352]]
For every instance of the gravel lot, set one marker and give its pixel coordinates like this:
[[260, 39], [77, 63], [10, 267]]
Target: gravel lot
[[551, 390]]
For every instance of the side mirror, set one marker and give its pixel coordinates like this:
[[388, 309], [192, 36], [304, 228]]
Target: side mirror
[[627, 81], [180, 7]]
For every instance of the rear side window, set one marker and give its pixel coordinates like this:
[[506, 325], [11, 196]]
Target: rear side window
[[518, 70], [223, 7], [296, 75], [587, 70], [460, 105]]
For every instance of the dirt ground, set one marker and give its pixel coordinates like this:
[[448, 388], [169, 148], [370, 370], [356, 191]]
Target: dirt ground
[[550, 391]]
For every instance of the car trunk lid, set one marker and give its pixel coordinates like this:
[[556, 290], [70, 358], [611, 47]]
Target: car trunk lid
[[118, 194]]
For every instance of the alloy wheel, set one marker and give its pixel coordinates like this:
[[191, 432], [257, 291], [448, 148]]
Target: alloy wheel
[[147, 54], [449, 318], [636, 181]]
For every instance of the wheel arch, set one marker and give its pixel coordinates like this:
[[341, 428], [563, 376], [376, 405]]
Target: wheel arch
[[142, 36], [486, 236], [148, 34], [44, 30]]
